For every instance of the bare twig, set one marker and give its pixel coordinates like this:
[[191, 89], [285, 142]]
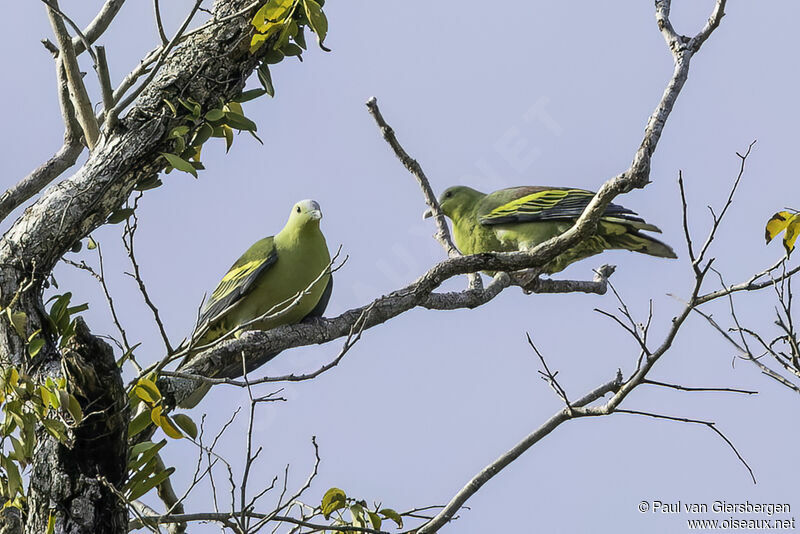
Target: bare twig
[[442, 233], [685, 212], [549, 376], [718, 219], [130, 232], [687, 388], [159, 23], [709, 424]]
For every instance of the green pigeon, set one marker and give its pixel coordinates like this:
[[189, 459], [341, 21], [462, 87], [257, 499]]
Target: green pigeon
[[281, 279], [520, 218]]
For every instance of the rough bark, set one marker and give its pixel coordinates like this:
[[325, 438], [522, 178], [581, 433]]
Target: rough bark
[[69, 480]]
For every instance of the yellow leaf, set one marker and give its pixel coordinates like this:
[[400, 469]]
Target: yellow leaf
[[257, 42], [147, 390], [155, 415], [777, 224], [169, 427], [784, 221]]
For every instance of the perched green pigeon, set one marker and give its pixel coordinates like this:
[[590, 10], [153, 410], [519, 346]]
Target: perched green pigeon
[[519, 218], [281, 279]]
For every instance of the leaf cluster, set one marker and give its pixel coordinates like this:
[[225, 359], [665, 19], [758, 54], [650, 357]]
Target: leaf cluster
[[347, 511]]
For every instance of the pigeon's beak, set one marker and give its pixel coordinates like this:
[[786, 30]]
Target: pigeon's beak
[[428, 214], [315, 214]]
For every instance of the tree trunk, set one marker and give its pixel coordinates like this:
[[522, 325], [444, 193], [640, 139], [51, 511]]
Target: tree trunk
[[71, 481]]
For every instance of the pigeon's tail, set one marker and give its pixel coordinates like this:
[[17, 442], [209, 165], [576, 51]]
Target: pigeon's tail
[[234, 370], [638, 242]]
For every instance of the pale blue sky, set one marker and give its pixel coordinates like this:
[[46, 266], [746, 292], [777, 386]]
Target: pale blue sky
[[551, 93]]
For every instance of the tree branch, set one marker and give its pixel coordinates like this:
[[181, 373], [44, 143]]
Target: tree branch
[[442, 233], [98, 26], [488, 472], [78, 95], [62, 160]]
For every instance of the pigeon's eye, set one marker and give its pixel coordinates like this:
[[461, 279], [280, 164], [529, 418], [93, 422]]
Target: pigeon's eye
[[298, 209], [448, 194]]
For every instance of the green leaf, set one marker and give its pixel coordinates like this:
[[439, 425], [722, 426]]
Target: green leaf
[[246, 96], [144, 453], [149, 183], [179, 131], [292, 49], [139, 423], [34, 346], [316, 20], [375, 519], [119, 215], [388, 513], [56, 428], [19, 320], [78, 309], [265, 78], [14, 478], [215, 114], [91, 244], [128, 354], [287, 32], [144, 446], [228, 137], [180, 145], [150, 484], [192, 106], [63, 397], [202, 135], [74, 409], [19, 451], [300, 37], [334, 499], [273, 56], [58, 311], [67, 331], [179, 163], [240, 122], [171, 107], [186, 424]]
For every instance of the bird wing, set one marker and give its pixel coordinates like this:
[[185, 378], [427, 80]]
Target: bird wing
[[527, 204], [238, 281]]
